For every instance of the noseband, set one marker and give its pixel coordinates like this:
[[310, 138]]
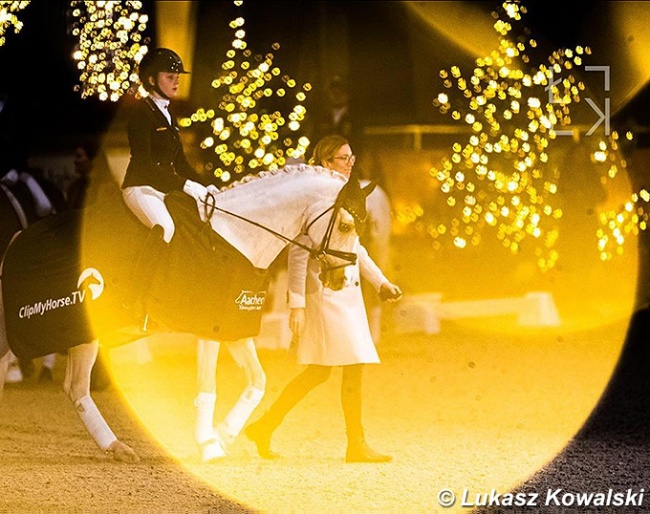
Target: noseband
[[323, 249]]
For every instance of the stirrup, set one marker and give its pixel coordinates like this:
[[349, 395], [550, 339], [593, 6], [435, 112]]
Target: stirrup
[[144, 326]]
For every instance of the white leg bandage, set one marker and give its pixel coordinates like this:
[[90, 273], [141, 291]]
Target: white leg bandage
[[4, 367], [94, 422], [204, 403], [234, 422], [211, 446], [49, 360]]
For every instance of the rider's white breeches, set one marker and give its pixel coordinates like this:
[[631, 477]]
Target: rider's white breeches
[[148, 204]]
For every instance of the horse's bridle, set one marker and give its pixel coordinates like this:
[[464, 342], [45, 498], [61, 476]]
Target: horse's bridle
[[319, 253], [323, 249]]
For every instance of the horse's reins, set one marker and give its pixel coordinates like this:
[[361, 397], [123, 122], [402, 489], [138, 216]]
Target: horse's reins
[[211, 206]]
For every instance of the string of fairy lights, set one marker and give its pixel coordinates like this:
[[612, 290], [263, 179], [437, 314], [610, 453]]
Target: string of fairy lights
[[245, 133], [501, 178], [110, 43], [617, 225], [9, 19]]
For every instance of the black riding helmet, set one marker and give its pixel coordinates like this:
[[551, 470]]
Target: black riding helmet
[[156, 61]]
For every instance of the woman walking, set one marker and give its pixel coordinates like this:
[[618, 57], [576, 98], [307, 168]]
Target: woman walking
[[332, 328]]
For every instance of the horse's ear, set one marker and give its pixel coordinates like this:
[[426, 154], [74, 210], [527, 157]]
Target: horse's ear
[[369, 188], [353, 199]]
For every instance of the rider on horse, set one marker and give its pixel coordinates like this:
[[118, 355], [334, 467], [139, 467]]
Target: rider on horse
[[158, 164]]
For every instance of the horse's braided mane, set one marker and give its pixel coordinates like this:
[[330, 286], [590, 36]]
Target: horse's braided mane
[[289, 169]]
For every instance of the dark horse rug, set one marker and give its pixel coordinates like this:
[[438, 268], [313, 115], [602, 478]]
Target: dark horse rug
[[67, 280]]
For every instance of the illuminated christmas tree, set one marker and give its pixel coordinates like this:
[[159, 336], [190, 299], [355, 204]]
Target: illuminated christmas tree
[[500, 179], [245, 131], [8, 18], [110, 44], [620, 224]]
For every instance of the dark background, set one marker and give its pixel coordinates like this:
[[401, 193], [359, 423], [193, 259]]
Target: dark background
[[375, 46]]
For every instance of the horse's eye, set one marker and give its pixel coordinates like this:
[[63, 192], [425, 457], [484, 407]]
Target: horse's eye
[[345, 227]]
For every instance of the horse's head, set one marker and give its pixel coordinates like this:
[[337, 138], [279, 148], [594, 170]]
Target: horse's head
[[334, 236]]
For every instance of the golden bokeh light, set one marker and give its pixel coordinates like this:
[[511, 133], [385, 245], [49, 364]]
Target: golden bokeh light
[[256, 135], [111, 43], [500, 182], [9, 19]]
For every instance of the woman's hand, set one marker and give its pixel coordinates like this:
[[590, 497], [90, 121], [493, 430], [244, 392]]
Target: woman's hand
[[389, 291], [297, 322]]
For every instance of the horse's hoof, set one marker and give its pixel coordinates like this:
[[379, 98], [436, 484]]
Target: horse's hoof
[[122, 452], [212, 450]]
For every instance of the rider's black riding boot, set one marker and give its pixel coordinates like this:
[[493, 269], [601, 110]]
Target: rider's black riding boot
[[357, 450], [145, 269]]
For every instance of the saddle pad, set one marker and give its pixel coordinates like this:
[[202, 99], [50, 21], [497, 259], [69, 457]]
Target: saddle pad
[[207, 287], [44, 289], [66, 280]]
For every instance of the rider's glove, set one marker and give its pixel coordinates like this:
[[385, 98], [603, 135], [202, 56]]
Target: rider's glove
[[195, 190]]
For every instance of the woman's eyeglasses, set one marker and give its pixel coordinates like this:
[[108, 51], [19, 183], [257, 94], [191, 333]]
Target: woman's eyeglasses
[[349, 159]]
